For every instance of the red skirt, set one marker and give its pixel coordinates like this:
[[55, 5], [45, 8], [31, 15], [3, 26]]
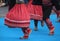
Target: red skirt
[[18, 16], [36, 12]]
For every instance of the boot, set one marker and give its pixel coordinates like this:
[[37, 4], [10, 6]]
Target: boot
[[24, 37], [26, 32]]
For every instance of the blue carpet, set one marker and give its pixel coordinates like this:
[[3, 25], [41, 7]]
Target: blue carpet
[[13, 34]]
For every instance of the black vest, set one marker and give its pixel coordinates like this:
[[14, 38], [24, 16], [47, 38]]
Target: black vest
[[37, 2], [41, 2]]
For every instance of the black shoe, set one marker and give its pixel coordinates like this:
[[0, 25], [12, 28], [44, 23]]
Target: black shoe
[[35, 28], [24, 37], [42, 23]]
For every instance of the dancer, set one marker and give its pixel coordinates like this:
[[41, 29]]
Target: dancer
[[47, 7], [19, 17]]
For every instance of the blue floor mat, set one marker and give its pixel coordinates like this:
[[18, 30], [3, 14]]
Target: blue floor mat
[[13, 34]]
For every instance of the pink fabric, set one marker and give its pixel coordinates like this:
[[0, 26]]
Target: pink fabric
[[38, 14]]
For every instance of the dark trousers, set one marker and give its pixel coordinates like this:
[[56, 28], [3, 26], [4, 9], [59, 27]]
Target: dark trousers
[[46, 11]]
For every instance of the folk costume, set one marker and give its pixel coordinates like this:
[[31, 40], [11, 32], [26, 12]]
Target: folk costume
[[19, 17]]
